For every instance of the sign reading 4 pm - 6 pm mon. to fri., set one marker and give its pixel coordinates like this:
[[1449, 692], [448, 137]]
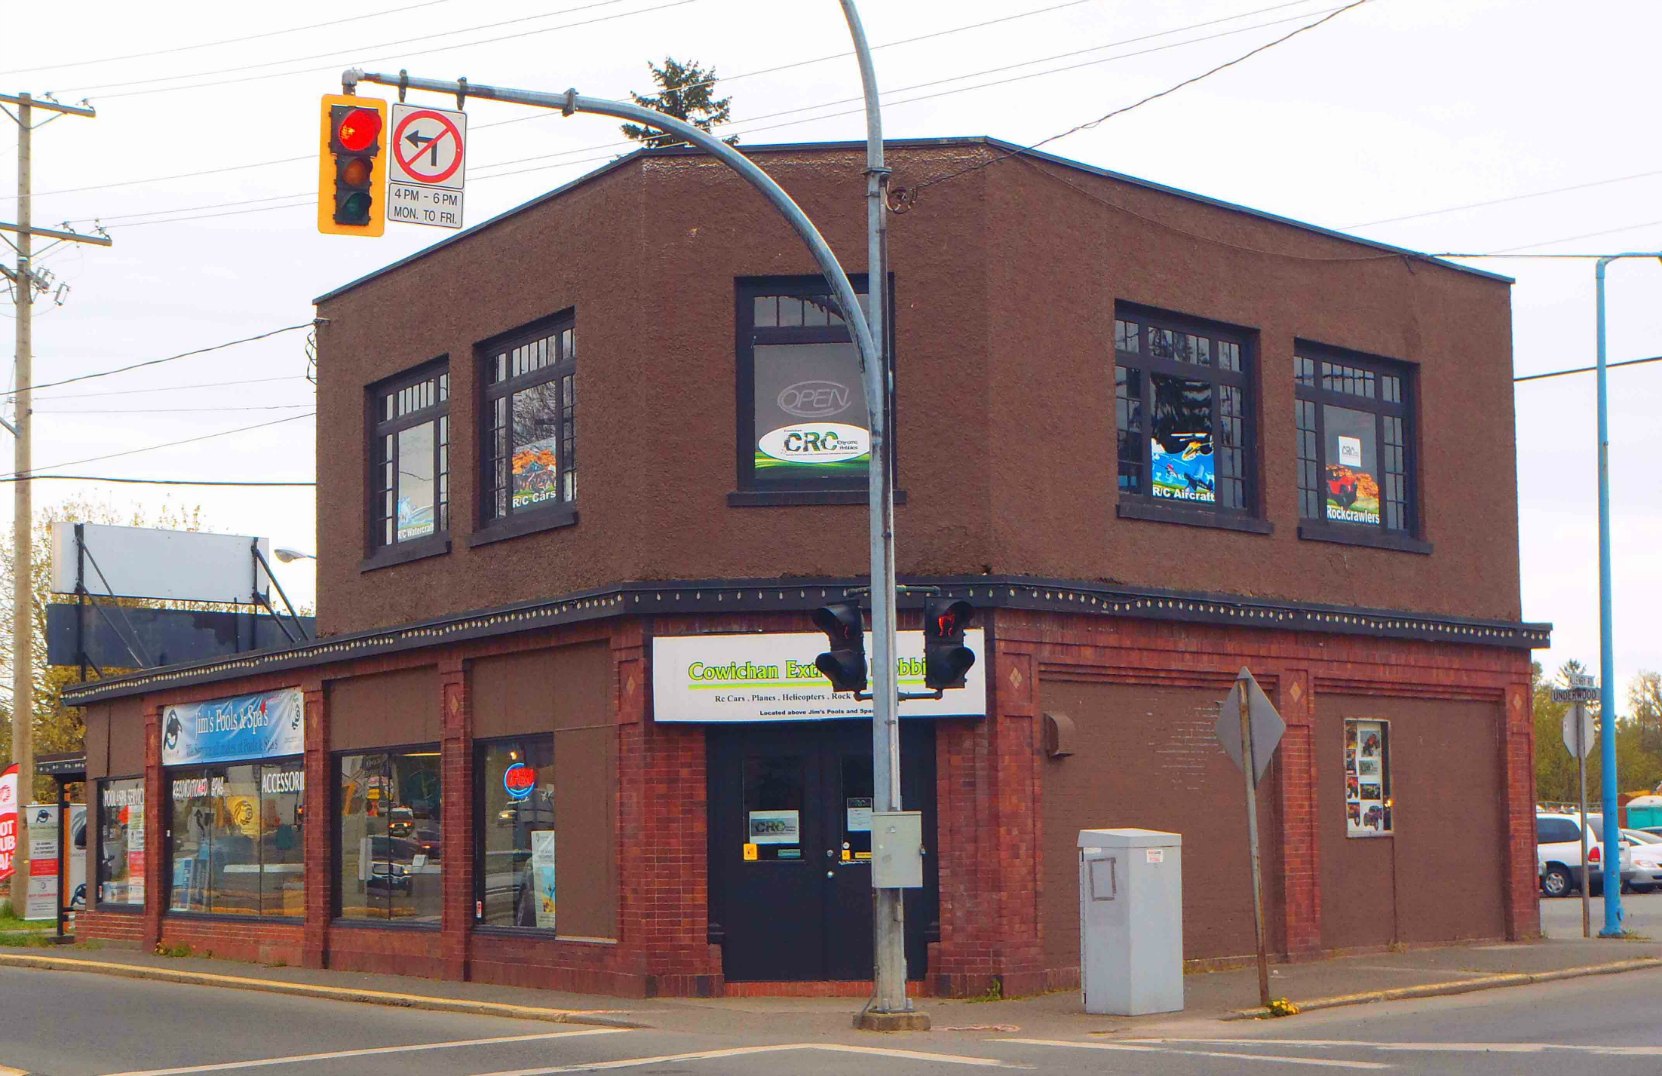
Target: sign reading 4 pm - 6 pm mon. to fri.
[[732, 678], [427, 166]]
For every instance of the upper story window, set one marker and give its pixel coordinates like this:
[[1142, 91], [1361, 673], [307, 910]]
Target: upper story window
[[1181, 404], [1352, 415], [411, 450], [530, 452], [802, 409]]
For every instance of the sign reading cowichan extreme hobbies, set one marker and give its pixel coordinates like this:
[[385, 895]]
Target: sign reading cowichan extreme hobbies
[[721, 678], [270, 725]]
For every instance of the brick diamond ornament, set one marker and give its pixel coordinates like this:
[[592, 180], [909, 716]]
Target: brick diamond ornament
[[1296, 692], [1016, 677]]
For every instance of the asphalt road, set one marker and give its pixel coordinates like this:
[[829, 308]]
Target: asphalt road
[[73, 1024]]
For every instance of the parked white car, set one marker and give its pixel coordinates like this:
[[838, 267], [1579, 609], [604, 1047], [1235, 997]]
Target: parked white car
[[1558, 854], [1646, 855]]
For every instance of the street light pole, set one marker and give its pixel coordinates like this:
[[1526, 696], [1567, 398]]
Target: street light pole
[[1607, 648]]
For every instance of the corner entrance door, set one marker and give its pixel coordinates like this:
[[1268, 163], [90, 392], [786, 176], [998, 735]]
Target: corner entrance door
[[790, 849]]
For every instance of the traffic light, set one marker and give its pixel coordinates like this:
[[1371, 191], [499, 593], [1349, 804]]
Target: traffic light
[[845, 663], [945, 657], [352, 169]]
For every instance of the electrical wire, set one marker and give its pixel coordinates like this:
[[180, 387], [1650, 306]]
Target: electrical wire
[[165, 410], [302, 198], [173, 444], [1585, 369], [1328, 17], [169, 358], [228, 40], [167, 388], [156, 481], [217, 82], [1508, 198]]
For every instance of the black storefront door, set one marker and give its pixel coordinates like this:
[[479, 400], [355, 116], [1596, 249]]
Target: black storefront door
[[790, 848]]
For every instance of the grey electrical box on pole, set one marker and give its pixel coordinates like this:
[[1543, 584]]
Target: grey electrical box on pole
[[1130, 921]]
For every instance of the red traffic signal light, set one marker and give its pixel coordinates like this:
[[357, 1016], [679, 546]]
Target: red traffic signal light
[[352, 167], [845, 663], [946, 660]]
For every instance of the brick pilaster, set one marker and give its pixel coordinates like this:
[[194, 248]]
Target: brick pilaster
[[318, 834], [1300, 841], [1522, 900], [456, 822], [155, 831]]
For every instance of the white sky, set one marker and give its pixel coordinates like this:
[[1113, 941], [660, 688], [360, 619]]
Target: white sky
[[1399, 107]]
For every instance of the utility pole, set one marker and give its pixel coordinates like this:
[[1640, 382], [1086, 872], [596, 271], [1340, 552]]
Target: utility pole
[[24, 285]]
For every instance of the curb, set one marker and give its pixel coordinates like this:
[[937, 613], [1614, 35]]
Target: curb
[[597, 1017], [1458, 986]]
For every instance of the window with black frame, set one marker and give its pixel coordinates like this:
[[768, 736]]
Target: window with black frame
[[388, 851], [1352, 415], [802, 408], [514, 876], [410, 447], [234, 839], [121, 843], [1183, 415], [530, 443]]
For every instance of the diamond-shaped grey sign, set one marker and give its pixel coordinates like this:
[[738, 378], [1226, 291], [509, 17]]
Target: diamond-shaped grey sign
[[1263, 718]]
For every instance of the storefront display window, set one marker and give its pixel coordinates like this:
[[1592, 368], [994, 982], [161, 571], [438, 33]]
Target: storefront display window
[[388, 847], [1352, 415], [121, 843], [1367, 778], [234, 845], [515, 881], [1180, 408], [803, 422]]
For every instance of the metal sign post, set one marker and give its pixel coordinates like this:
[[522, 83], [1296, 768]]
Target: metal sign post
[[1578, 740], [1249, 729]]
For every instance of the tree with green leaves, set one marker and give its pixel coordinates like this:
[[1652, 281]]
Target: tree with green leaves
[[1638, 739], [687, 92]]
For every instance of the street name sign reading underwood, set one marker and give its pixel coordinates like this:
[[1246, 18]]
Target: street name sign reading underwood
[[427, 166]]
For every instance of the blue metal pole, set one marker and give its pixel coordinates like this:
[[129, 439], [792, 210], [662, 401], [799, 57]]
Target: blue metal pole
[[1607, 661]]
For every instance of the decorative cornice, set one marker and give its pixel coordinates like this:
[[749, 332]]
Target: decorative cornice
[[673, 597]]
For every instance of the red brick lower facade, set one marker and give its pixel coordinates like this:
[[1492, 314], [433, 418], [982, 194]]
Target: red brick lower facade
[[1135, 694]]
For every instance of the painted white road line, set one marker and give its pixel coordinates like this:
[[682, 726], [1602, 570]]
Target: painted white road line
[[1428, 1047], [1127, 1047], [369, 1051], [745, 1051]]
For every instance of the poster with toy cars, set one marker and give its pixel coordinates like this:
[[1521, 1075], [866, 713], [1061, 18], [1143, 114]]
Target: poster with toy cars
[[1367, 778]]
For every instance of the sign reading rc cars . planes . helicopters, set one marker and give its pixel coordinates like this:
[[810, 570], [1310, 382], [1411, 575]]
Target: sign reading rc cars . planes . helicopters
[[410, 170]]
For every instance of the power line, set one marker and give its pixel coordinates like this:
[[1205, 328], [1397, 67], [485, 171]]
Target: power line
[[1329, 16], [1513, 251], [165, 410], [156, 481], [226, 41], [184, 441], [170, 358], [1508, 198], [303, 198], [1586, 369], [170, 388], [385, 44]]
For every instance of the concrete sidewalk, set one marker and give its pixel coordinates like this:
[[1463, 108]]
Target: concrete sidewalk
[[1211, 996]]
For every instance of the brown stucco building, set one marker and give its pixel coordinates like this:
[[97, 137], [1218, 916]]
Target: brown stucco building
[[1152, 437]]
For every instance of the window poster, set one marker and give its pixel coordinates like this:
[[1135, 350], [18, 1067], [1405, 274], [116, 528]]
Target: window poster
[[536, 471], [1180, 450], [810, 412], [1367, 778], [542, 876], [1352, 459]]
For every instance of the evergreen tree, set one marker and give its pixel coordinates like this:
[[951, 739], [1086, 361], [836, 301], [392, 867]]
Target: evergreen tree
[[687, 92]]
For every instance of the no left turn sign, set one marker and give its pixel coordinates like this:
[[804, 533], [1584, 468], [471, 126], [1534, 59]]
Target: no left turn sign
[[429, 146]]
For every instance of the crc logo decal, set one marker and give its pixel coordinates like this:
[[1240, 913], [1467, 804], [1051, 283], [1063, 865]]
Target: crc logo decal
[[815, 442], [815, 399]]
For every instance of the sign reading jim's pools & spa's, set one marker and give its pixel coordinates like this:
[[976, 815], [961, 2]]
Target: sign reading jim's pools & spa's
[[268, 725], [721, 678]]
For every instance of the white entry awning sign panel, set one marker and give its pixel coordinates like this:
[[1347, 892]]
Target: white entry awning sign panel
[[429, 147]]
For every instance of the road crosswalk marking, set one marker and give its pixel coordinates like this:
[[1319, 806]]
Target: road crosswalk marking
[[744, 1051], [334, 1055], [1172, 1047]]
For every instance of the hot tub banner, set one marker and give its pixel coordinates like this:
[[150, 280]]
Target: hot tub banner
[[730, 678], [269, 725]]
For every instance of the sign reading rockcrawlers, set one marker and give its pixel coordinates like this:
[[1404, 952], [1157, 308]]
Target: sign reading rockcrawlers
[[268, 725], [733, 678], [426, 166]]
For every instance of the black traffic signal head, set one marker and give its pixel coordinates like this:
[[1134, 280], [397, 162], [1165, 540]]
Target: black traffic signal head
[[845, 663], [946, 659], [352, 172]]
